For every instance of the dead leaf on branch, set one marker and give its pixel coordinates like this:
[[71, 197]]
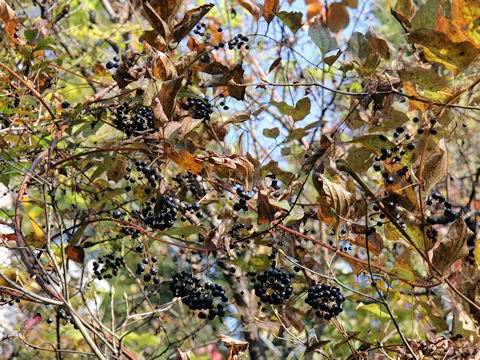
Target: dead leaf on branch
[[124, 75], [238, 117], [266, 211], [159, 64], [189, 21], [226, 166], [75, 253], [337, 18], [187, 60], [182, 355], [165, 8], [155, 19], [252, 6], [334, 202], [236, 348], [184, 159], [435, 167], [9, 17], [270, 7], [30, 324], [168, 94], [453, 245]]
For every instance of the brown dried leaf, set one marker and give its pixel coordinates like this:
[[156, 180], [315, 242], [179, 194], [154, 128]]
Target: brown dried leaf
[[117, 170], [236, 348], [9, 18], [252, 6], [238, 117], [435, 167], [168, 93], [75, 253], [270, 7], [187, 60], [375, 241], [184, 159], [189, 21], [153, 39], [159, 117], [266, 211], [274, 65], [159, 64], [166, 8], [337, 18], [124, 75], [235, 90], [334, 202], [181, 355], [224, 165], [188, 124], [453, 245], [155, 19]]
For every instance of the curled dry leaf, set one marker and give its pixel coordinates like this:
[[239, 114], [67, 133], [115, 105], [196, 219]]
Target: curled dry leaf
[[159, 64], [167, 95], [189, 21], [252, 6], [226, 166], [266, 211], [435, 167], [155, 19], [238, 117], [236, 348], [182, 355], [235, 90], [165, 8], [186, 60], [270, 7], [124, 75], [334, 202], [453, 245]]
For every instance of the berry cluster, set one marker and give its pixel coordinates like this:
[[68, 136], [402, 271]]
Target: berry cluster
[[114, 64], [202, 109], [131, 121], [166, 213], [197, 296], [273, 286], [108, 267], [449, 214], [326, 300], [238, 41], [191, 183], [152, 275], [242, 203]]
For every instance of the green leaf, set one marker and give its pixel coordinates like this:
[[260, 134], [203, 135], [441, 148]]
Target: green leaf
[[30, 35], [321, 36], [292, 19], [271, 133], [427, 78], [301, 109], [372, 142], [426, 16], [260, 261], [376, 310], [360, 159]]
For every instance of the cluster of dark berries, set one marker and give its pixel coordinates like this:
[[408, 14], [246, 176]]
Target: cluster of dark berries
[[235, 230], [131, 121], [61, 314], [191, 183], [449, 214], [166, 212], [113, 64], [107, 267], [274, 185], [199, 297], [273, 286], [242, 202], [232, 269], [200, 29], [238, 41], [152, 274], [326, 300], [10, 302], [202, 109]]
